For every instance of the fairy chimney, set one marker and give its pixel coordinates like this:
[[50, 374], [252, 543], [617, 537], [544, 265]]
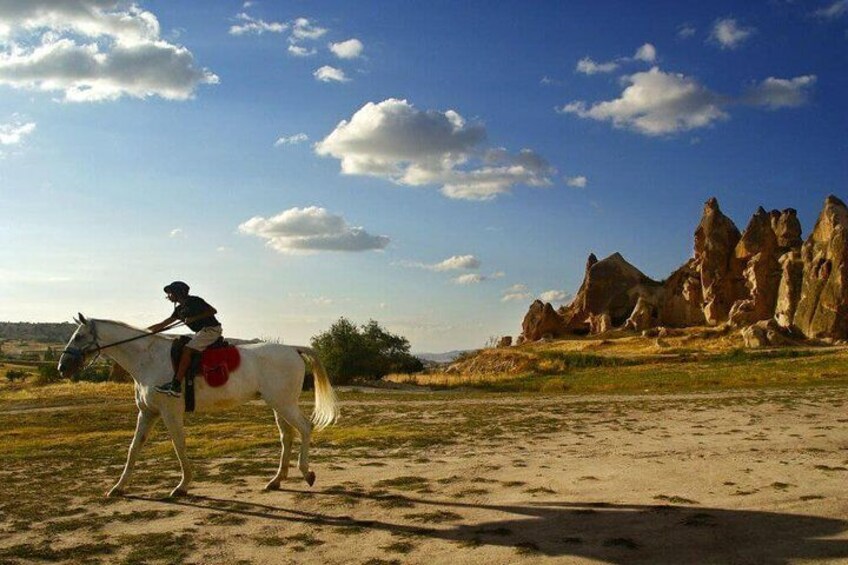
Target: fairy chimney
[[823, 306], [721, 274]]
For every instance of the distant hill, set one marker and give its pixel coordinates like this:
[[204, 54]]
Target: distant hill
[[446, 357], [37, 331]]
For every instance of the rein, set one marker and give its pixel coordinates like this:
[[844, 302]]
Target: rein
[[101, 347], [82, 352]]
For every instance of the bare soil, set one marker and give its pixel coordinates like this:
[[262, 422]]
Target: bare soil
[[732, 477]]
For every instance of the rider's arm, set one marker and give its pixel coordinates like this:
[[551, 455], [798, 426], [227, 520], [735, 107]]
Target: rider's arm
[[163, 324]]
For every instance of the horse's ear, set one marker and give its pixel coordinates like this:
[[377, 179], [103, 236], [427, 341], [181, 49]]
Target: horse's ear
[[82, 319]]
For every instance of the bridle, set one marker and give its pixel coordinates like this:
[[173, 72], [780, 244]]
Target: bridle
[[79, 353]]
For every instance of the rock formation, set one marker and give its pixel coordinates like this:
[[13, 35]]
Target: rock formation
[[766, 333], [759, 252], [542, 320], [787, 229], [611, 287], [823, 304], [789, 291], [715, 243], [682, 297], [644, 316], [762, 280]]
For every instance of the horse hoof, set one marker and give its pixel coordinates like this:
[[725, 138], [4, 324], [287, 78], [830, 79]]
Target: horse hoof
[[177, 492], [310, 478], [114, 493], [272, 486]]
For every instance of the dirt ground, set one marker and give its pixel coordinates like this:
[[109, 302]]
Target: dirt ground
[[734, 477]]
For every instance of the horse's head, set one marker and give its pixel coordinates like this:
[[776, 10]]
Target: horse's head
[[81, 344]]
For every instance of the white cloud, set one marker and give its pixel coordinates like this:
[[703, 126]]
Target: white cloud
[[291, 139], [453, 263], [659, 103], [14, 133], [350, 49], [647, 53], [90, 18], [330, 74], [312, 229], [589, 67], [303, 29], [176, 232], [577, 182], [656, 103], [299, 51], [776, 93], [553, 296], [470, 278], [728, 34], [833, 10], [685, 31], [457, 262], [256, 26], [517, 292], [92, 50], [475, 278], [394, 140]]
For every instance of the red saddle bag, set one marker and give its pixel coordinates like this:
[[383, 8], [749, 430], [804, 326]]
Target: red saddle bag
[[217, 363]]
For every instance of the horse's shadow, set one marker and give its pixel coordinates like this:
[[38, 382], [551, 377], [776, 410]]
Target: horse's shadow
[[614, 533]]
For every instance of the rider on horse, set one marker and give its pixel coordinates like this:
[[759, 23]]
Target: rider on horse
[[199, 316]]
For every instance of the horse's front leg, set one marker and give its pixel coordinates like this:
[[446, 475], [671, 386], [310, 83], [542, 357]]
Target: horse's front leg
[[174, 422], [142, 431]]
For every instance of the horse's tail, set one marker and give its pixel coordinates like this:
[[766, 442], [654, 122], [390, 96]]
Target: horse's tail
[[326, 410]]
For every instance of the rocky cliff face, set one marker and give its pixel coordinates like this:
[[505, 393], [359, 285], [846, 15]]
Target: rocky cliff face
[[757, 253], [823, 302], [715, 243], [761, 276]]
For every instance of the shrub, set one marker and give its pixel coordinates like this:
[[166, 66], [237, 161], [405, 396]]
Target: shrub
[[47, 373], [368, 351], [94, 374], [16, 375]]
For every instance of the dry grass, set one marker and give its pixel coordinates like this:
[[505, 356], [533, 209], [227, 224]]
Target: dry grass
[[690, 360]]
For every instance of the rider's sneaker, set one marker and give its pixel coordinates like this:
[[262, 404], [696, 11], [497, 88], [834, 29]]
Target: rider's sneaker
[[173, 388]]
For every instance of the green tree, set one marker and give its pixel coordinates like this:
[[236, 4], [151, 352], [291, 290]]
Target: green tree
[[367, 351]]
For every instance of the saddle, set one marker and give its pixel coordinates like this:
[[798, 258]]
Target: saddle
[[215, 364]]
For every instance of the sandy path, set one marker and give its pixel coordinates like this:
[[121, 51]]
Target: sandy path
[[723, 478]]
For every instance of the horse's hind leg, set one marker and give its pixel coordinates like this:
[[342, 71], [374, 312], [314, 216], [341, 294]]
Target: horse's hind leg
[[286, 437], [293, 416], [142, 430]]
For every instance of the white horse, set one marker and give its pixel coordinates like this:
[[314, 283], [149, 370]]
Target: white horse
[[274, 372]]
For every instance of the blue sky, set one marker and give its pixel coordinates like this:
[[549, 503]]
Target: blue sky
[[432, 165]]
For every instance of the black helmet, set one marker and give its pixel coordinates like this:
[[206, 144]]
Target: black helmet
[[177, 287]]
